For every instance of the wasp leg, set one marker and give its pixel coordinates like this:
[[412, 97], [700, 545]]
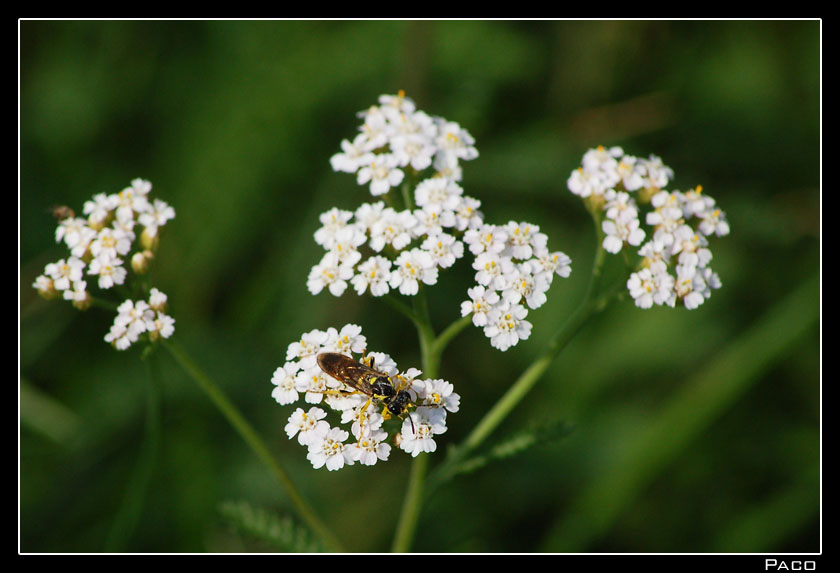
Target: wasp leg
[[367, 360], [362, 417]]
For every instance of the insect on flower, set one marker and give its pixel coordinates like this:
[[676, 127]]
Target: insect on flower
[[62, 212], [363, 377]]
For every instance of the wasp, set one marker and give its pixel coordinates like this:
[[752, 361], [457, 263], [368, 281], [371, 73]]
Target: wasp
[[363, 377]]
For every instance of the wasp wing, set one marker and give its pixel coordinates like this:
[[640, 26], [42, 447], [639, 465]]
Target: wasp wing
[[346, 370]]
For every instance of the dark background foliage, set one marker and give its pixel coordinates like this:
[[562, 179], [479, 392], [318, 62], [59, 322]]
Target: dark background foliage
[[691, 431]]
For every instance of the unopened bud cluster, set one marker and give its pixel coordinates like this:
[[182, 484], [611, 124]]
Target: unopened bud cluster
[[117, 231], [673, 242]]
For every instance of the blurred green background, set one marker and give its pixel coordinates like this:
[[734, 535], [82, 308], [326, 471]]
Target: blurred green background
[[691, 431]]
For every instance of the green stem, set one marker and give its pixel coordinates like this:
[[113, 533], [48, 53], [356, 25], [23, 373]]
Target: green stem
[[405, 188], [401, 307], [423, 322], [522, 386], [247, 432], [430, 352], [449, 333], [132, 503], [526, 381]]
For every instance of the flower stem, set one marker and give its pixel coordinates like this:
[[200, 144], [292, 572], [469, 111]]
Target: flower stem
[[137, 487], [592, 304], [247, 432], [431, 351]]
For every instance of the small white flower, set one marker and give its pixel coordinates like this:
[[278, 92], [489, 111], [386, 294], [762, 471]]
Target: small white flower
[[162, 325], [620, 231], [656, 173], [353, 155], [467, 214], [506, 326], [133, 200], [651, 285], [120, 337], [412, 150], [447, 165], [486, 238], [437, 393], [587, 183], [631, 173], [78, 293], [157, 215], [455, 141], [329, 450], [393, 228], [444, 249], [109, 270], [493, 270], [382, 173], [410, 269], [368, 214], [373, 274], [45, 286], [349, 340], [307, 348], [345, 244], [480, 303], [549, 264], [523, 285], [98, 208], [314, 383], [65, 272], [438, 193], [417, 434], [689, 286], [330, 273], [714, 222], [431, 221], [523, 237], [601, 158], [399, 103], [370, 448], [157, 299], [134, 316], [110, 243], [284, 391], [331, 222], [74, 231], [307, 426], [621, 207]]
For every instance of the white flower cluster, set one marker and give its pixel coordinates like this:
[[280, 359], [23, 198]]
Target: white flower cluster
[[679, 223], [117, 228], [135, 318], [301, 377], [408, 247], [514, 269], [394, 136]]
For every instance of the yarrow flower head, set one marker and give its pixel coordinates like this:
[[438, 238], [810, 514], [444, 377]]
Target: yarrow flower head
[[673, 242], [381, 249], [331, 371], [117, 238]]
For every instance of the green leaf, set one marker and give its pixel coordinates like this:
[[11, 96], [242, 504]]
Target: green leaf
[[280, 532]]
